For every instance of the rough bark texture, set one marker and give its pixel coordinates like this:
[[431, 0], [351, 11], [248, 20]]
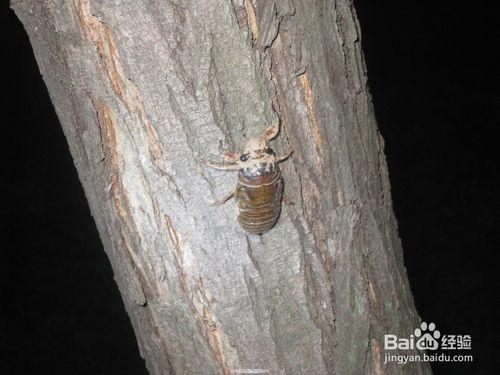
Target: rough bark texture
[[144, 87]]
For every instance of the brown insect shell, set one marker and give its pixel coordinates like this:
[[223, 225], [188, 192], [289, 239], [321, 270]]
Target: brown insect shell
[[258, 195]]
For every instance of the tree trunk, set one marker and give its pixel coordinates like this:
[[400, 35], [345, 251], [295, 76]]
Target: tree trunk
[[143, 90]]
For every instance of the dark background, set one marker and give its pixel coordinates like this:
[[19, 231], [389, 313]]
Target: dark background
[[432, 76]]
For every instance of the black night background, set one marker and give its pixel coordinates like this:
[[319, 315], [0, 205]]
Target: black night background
[[432, 76]]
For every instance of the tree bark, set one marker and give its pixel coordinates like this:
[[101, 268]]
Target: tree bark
[[143, 89]]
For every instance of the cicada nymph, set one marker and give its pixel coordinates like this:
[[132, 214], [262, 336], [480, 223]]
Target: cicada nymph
[[260, 185]]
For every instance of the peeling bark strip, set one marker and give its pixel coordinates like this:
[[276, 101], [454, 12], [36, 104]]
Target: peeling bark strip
[[124, 88], [252, 20], [315, 130], [141, 88]]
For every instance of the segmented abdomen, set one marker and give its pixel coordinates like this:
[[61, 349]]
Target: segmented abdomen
[[259, 201]]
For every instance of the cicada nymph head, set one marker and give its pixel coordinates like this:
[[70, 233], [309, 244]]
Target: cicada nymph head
[[258, 157]]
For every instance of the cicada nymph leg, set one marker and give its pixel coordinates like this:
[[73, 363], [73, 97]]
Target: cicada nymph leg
[[271, 131], [269, 134], [222, 200], [231, 162], [222, 167], [284, 157], [230, 157]]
